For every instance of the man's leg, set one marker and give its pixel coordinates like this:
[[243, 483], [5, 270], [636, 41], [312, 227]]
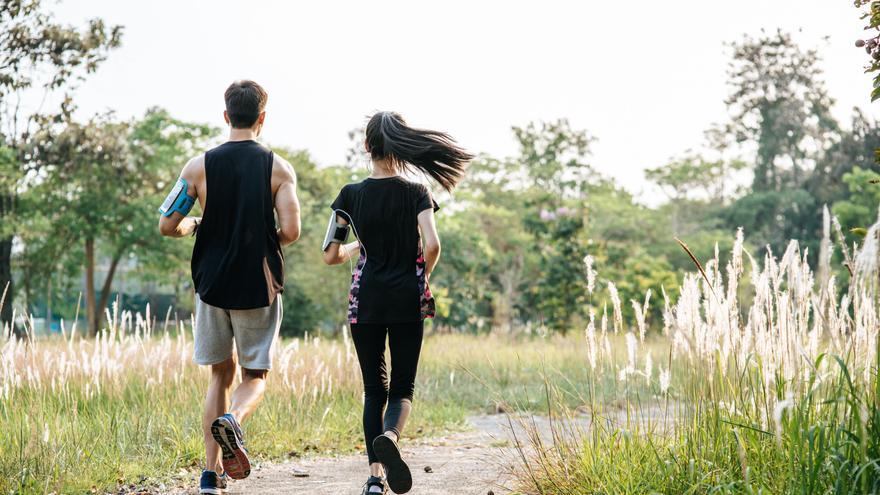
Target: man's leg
[[256, 331], [216, 400], [248, 394]]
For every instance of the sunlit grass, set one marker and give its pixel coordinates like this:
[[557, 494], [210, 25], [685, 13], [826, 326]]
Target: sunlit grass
[[125, 407], [763, 379], [769, 388]]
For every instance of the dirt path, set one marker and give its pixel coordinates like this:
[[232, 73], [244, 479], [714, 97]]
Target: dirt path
[[476, 462], [472, 462]]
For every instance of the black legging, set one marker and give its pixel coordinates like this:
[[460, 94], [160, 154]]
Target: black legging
[[405, 343]]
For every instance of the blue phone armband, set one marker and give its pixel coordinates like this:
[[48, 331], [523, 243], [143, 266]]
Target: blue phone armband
[[178, 200]]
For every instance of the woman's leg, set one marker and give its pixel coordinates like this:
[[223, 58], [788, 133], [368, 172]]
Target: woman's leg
[[369, 343], [405, 342]]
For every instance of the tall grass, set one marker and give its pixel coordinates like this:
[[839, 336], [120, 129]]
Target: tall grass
[[769, 385], [80, 414]]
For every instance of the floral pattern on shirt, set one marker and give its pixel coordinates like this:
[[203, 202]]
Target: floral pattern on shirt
[[355, 289], [426, 299]]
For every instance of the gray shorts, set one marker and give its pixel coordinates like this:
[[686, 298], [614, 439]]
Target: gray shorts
[[254, 332]]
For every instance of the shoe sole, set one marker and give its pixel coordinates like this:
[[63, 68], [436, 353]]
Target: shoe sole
[[396, 470], [210, 491], [235, 460]]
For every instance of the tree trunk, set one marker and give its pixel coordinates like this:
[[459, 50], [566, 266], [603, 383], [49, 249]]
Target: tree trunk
[[49, 303], [5, 281], [108, 281], [5, 265], [26, 282], [91, 307]]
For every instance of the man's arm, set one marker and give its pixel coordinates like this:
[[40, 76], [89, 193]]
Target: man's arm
[[178, 225], [286, 202]]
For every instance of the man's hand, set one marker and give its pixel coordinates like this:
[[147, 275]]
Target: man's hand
[[178, 227]]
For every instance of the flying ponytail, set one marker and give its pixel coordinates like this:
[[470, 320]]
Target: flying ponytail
[[434, 153]]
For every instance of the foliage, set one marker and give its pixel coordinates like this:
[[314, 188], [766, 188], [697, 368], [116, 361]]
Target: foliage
[[871, 13], [863, 200], [779, 104], [695, 174], [98, 183], [314, 295], [753, 393], [36, 53], [514, 232]]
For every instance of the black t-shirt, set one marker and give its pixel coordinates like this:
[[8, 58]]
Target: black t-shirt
[[389, 283]]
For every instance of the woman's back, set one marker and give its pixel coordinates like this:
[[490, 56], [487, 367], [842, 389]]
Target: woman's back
[[389, 284]]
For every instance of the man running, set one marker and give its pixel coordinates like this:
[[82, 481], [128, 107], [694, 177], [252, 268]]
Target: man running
[[237, 270]]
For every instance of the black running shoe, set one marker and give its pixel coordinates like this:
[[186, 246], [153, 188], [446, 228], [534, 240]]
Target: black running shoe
[[227, 433], [396, 470], [374, 481], [211, 483]]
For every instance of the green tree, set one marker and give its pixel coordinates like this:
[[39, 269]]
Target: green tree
[[36, 53], [315, 295], [781, 110], [855, 148], [859, 209], [625, 237], [870, 10], [693, 180], [780, 104], [553, 161], [101, 182], [486, 248]]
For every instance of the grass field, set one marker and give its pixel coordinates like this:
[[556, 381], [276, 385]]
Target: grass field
[[772, 387], [763, 380], [79, 414]]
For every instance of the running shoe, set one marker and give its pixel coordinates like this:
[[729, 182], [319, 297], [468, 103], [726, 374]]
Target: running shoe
[[227, 433]]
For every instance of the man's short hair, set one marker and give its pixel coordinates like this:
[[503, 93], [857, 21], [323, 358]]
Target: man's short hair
[[245, 100]]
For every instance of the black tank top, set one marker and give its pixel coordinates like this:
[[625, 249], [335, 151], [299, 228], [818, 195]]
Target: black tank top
[[237, 261]]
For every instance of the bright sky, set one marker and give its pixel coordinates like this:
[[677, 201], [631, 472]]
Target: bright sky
[[644, 77]]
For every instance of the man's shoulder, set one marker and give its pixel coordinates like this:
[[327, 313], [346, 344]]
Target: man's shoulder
[[195, 167], [282, 169]]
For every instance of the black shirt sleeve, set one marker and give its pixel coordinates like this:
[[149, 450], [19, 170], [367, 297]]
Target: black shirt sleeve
[[426, 201], [339, 203]]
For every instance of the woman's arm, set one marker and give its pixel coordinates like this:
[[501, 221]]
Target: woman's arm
[[336, 253], [430, 239]]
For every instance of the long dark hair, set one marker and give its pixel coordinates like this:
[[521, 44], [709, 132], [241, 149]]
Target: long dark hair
[[434, 153]]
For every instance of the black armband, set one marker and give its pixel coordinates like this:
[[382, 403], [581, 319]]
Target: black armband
[[337, 233]]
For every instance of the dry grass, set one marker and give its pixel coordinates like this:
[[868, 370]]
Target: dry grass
[[772, 385]]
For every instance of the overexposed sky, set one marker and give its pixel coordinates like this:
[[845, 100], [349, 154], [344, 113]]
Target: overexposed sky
[[644, 77]]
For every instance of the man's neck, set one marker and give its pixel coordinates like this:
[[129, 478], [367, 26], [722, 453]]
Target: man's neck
[[242, 134]]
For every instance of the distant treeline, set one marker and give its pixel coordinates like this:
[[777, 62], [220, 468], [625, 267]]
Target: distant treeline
[[78, 200]]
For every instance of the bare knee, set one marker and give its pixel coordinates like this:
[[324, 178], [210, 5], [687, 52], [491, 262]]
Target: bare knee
[[224, 372]]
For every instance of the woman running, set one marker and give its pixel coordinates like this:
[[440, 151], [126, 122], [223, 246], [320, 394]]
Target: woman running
[[393, 221]]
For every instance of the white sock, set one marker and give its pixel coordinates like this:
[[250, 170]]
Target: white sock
[[375, 489]]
